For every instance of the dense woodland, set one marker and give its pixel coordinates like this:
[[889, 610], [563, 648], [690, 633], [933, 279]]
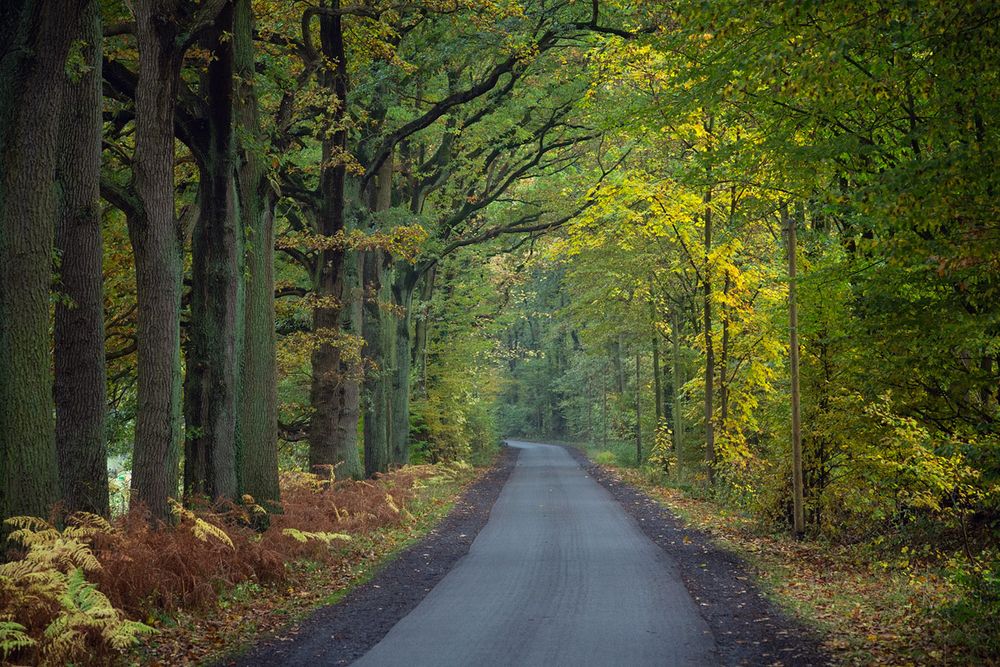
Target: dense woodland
[[751, 248]]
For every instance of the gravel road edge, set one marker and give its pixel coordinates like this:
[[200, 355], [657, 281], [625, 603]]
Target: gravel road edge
[[749, 629], [341, 633]]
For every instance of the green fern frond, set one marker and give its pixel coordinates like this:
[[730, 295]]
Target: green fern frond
[[13, 637]]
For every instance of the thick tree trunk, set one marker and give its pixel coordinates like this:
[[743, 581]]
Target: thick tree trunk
[[157, 244], [378, 335], [327, 376], [403, 286], [80, 374], [34, 40], [216, 326], [257, 410], [379, 332], [347, 395]]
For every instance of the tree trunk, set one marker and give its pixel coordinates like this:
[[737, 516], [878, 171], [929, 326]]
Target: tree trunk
[[34, 40], [80, 374], [380, 340], [257, 413], [348, 390], [798, 504], [378, 335], [420, 331], [677, 377], [604, 410], [724, 363], [709, 350], [157, 245], [327, 378], [657, 386], [619, 365], [216, 294], [405, 283]]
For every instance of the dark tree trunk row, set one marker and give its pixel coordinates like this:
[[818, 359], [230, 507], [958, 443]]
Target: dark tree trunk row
[[34, 40], [215, 334]]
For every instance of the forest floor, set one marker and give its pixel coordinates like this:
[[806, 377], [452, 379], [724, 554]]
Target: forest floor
[[250, 611], [867, 611]]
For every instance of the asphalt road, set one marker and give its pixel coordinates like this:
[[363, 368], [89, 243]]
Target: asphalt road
[[560, 575]]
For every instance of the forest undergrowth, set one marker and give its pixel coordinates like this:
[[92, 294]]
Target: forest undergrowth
[[884, 601], [124, 592]]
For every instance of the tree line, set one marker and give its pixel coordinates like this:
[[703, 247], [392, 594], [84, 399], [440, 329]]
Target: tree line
[[805, 226], [177, 172]]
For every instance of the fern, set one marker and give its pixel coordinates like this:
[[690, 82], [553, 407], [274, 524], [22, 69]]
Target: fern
[[13, 638], [199, 527], [71, 618], [305, 536], [391, 504]]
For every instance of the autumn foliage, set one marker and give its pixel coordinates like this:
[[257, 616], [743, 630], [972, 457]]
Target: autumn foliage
[[81, 594]]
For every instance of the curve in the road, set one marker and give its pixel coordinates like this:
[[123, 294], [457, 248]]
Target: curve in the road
[[560, 575]]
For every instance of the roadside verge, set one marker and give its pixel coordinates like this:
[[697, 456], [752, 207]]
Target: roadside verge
[[749, 629], [340, 633]]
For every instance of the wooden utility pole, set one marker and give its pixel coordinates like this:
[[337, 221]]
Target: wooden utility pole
[[793, 316]]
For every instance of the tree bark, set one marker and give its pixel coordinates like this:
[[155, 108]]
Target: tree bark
[[215, 331], [157, 243], [798, 505], [677, 377], [326, 392], [257, 410], [378, 377], [34, 41], [80, 373], [403, 286], [709, 350], [380, 340], [347, 394], [420, 331]]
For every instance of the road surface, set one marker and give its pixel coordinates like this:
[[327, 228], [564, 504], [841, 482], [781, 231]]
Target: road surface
[[560, 575]]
